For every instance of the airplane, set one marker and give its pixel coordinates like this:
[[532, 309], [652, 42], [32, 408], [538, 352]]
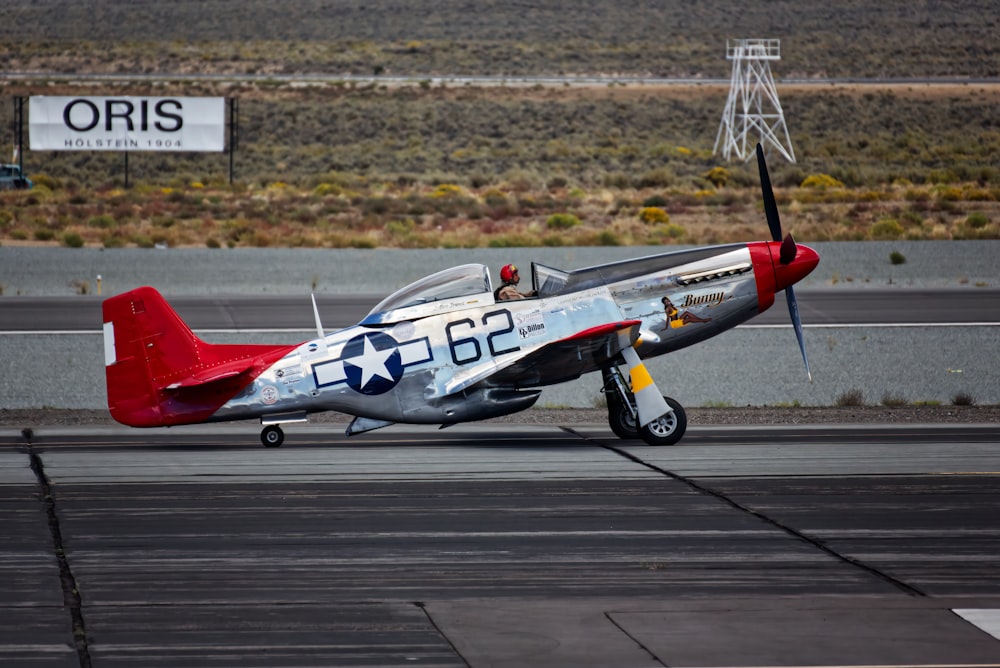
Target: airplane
[[445, 350]]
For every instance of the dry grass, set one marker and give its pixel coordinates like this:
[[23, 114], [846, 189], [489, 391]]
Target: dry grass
[[422, 216], [337, 163]]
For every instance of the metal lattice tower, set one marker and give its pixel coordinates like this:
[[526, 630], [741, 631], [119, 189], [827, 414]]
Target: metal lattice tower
[[753, 113]]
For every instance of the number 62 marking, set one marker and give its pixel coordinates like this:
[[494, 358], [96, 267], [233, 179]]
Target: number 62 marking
[[466, 342]]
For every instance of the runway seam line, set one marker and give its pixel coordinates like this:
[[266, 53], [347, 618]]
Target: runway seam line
[[71, 593], [608, 616], [427, 614], [708, 491]]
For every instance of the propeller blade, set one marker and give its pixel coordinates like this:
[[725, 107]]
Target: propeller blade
[[788, 250], [793, 311], [787, 253], [770, 204]]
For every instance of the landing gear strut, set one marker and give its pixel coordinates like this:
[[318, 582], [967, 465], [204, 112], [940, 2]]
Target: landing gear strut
[[623, 416], [272, 436]]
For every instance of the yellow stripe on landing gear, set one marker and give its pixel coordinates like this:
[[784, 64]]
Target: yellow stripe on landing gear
[[649, 402], [640, 378]]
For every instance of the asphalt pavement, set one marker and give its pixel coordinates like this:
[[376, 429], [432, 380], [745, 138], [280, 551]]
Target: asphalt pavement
[[500, 545]]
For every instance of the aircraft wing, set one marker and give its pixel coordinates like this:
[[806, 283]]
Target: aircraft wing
[[552, 362]]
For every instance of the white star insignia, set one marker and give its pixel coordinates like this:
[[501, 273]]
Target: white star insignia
[[372, 363]]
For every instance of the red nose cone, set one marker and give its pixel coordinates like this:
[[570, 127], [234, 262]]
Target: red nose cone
[[772, 275], [805, 261]]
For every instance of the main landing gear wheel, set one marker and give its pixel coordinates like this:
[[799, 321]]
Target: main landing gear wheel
[[272, 436], [620, 419], [668, 429]]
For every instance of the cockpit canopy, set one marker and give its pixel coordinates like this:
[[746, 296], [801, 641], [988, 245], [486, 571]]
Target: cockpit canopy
[[452, 289]]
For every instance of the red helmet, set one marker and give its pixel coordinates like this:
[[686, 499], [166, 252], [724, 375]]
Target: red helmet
[[507, 272]]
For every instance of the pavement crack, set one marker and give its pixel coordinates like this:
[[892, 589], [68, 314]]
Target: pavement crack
[[440, 631], [708, 491], [643, 647], [71, 594]]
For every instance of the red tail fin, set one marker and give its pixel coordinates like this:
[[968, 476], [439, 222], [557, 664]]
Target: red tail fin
[[160, 373]]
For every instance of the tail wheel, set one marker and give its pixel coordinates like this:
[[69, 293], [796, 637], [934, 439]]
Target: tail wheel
[[272, 436], [668, 429]]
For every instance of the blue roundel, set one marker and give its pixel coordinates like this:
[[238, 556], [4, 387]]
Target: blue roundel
[[372, 363]]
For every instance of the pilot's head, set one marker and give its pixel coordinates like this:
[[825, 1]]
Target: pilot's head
[[508, 274]]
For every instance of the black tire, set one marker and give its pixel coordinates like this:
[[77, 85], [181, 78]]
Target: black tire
[[669, 429], [272, 436], [620, 419]]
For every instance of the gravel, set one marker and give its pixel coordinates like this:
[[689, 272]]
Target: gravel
[[749, 415]]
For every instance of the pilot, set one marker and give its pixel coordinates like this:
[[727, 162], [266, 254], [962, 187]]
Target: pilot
[[510, 278]]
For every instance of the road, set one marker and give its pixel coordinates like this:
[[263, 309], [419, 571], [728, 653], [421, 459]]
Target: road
[[283, 312], [320, 78], [498, 545]]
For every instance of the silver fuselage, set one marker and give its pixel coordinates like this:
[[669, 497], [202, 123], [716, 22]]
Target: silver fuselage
[[438, 356]]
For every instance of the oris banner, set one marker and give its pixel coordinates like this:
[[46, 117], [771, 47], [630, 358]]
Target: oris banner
[[127, 123]]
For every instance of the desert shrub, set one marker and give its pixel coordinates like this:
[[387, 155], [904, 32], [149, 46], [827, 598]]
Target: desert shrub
[[72, 240], [854, 397], [963, 399], [911, 218], [494, 197], [655, 200], [513, 241], [399, 228], [893, 400], [608, 238], [617, 180], [895, 257], [915, 195], [446, 190], [821, 181], [977, 220], [45, 180], [653, 215], [102, 221], [717, 176], [657, 178], [562, 221], [113, 241], [943, 176], [886, 229], [949, 193], [362, 242], [325, 189], [671, 231]]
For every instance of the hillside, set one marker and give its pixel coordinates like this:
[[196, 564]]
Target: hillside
[[848, 38], [343, 163]]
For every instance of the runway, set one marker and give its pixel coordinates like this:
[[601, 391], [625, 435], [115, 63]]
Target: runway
[[499, 545], [872, 307]]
